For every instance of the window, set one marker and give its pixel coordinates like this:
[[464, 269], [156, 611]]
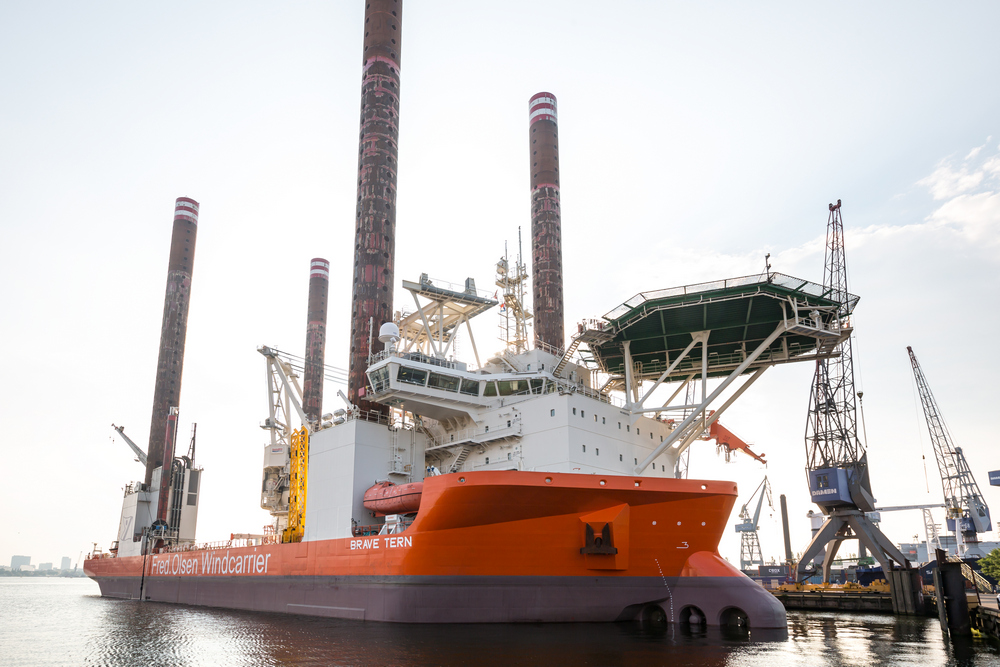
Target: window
[[509, 387], [412, 376], [379, 379], [552, 413], [445, 382], [470, 387]]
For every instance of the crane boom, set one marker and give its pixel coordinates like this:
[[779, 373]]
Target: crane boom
[[128, 441], [964, 501], [750, 553]]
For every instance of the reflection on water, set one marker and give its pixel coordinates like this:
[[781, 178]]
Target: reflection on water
[[65, 622]]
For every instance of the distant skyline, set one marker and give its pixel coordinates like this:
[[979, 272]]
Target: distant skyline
[[694, 139]]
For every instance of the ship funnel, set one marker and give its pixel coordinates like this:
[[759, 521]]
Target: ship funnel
[[375, 217], [546, 225], [173, 330], [312, 380]]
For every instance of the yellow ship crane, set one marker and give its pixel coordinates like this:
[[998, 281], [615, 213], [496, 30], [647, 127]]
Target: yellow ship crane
[[298, 486]]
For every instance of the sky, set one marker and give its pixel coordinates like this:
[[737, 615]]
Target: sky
[[695, 138]]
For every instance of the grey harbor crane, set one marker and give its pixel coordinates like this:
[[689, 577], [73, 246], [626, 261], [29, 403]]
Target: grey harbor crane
[[750, 553], [966, 510], [836, 460]]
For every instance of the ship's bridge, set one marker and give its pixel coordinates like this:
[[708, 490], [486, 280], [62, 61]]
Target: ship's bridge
[[443, 389]]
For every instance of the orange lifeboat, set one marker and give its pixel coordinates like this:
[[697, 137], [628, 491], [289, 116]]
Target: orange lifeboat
[[388, 498]]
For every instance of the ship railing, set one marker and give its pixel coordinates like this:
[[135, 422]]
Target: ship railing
[[415, 356], [476, 435], [570, 388], [213, 546], [376, 528], [369, 416]]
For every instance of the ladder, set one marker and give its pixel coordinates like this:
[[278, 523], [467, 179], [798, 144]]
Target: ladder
[[460, 460], [567, 356]]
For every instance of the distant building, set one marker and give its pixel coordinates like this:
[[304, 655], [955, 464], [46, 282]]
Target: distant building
[[916, 552], [17, 562], [65, 564], [45, 567]]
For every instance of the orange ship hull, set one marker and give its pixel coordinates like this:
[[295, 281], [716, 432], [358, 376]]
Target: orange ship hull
[[502, 546]]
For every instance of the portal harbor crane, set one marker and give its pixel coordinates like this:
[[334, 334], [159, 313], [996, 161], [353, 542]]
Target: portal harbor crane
[[750, 553], [837, 463], [967, 513]]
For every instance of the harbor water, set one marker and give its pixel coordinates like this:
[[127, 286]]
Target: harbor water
[[66, 622]]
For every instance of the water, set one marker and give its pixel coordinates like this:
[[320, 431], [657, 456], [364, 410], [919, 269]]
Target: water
[[66, 622]]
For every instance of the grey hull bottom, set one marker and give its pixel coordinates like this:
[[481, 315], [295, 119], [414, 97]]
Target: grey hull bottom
[[712, 600]]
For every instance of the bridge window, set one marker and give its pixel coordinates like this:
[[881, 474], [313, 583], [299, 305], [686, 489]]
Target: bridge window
[[412, 376], [379, 379], [445, 382], [509, 387], [470, 387]]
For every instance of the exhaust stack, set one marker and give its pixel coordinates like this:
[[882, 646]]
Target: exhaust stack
[[173, 330], [375, 219], [312, 380], [546, 225], [167, 472]]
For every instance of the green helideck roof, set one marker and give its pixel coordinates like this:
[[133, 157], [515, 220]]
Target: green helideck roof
[[739, 312]]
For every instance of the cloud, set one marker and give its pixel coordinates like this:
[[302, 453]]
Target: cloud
[[972, 197], [977, 217], [946, 181]]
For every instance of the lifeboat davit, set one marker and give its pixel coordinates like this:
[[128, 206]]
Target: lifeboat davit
[[388, 498]]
